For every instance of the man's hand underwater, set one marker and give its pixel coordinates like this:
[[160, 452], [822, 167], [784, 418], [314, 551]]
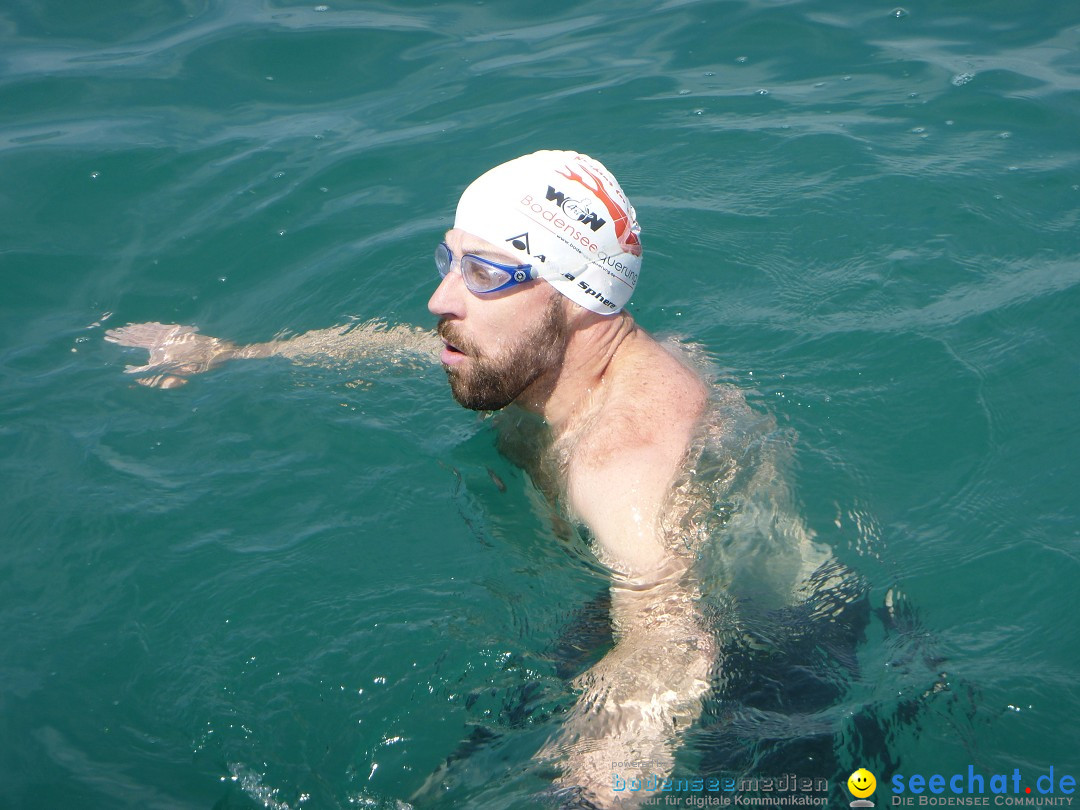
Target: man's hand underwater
[[176, 352]]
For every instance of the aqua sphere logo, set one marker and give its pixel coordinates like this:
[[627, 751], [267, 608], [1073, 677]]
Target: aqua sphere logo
[[973, 789]]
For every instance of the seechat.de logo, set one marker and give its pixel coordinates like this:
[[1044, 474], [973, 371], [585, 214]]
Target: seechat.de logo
[[862, 785]]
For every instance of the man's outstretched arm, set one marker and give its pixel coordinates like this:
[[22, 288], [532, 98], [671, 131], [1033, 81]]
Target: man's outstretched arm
[[177, 352]]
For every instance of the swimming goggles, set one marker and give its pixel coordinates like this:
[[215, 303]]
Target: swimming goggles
[[483, 275]]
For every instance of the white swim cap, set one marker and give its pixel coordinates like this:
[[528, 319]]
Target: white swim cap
[[563, 213]]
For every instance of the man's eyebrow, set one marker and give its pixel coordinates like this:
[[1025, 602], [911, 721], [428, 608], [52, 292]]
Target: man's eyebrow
[[489, 251]]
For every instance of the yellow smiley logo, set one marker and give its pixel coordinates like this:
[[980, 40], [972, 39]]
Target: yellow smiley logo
[[861, 783]]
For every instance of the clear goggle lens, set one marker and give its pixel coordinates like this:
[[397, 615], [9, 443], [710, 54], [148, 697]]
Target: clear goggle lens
[[481, 275]]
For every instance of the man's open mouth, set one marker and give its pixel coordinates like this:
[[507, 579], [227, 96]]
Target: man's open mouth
[[453, 348]]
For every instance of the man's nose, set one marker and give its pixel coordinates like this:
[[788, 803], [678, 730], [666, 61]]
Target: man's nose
[[448, 300]]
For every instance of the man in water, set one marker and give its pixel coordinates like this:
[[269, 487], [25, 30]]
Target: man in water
[[543, 256]]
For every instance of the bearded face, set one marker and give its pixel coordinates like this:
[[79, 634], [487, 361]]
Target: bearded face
[[490, 381]]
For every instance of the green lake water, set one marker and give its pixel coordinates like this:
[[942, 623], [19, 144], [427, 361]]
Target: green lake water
[[288, 586]]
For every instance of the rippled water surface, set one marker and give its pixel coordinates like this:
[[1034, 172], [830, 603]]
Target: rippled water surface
[[289, 586]]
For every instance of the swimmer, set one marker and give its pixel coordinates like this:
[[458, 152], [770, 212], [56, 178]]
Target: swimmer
[[536, 273]]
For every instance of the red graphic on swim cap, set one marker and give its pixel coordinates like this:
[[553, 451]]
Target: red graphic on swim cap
[[619, 218]]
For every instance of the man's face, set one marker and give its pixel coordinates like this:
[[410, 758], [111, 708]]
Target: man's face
[[497, 344]]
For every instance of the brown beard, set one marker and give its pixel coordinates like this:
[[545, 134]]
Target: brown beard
[[491, 383]]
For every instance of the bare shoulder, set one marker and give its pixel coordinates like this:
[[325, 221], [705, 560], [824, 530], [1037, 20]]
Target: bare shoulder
[[653, 402], [626, 457]]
